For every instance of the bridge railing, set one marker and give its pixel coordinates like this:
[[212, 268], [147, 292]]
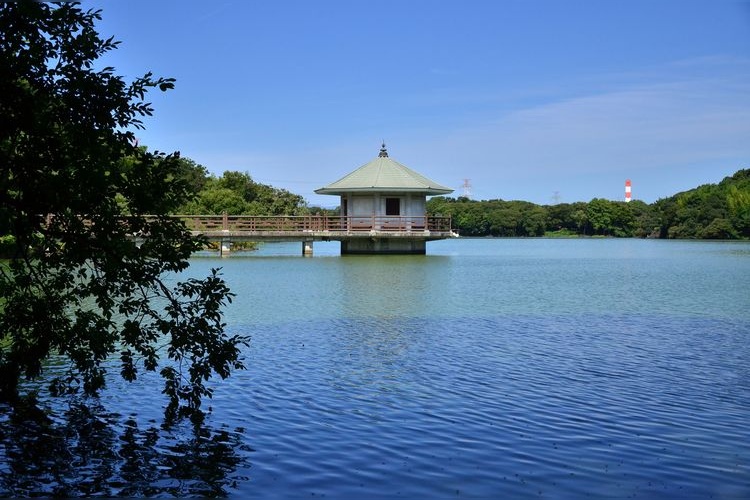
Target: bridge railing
[[309, 223]]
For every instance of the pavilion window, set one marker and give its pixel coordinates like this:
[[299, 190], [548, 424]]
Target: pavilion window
[[392, 206]]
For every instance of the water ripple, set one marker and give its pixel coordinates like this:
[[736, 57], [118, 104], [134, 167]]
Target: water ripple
[[610, 369], [520, 405]]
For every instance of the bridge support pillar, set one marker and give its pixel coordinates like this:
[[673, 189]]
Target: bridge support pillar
[[224, 247], [307, 248]]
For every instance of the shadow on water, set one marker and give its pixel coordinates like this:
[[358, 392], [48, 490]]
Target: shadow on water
[[88, 451]]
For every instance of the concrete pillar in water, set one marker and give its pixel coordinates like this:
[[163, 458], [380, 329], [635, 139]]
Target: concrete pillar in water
[[307, 248], [224, 247]]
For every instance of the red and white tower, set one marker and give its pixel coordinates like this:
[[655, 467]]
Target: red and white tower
[[627, 190]]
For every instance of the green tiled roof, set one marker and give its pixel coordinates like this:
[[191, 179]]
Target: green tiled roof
[[385, 175]]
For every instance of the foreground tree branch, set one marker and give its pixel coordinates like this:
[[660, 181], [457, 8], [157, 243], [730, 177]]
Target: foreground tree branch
[[74, 190]]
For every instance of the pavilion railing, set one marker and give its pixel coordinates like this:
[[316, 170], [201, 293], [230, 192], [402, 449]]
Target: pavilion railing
[[315, 223]]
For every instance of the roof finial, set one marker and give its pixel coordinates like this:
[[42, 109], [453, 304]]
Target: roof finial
[[383, 151]]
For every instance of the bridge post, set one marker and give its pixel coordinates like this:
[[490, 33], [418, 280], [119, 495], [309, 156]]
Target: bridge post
[[307, 248], [225, 246]]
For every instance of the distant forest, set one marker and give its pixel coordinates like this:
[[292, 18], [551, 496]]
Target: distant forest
[[711, 211]]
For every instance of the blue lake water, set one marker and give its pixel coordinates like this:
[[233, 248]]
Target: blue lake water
[[487, 368]]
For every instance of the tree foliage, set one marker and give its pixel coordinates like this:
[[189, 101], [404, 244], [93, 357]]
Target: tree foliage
[[74, 190], [236, 193], [709, 211]]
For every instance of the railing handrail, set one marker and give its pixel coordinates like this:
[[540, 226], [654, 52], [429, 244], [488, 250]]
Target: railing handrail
[[329, 223]]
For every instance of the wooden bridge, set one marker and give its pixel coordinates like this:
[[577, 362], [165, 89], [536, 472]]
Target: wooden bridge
[[405, 232]]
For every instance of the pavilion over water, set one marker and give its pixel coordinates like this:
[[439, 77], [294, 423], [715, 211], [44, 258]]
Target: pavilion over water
[[383, 211], [381, 194]]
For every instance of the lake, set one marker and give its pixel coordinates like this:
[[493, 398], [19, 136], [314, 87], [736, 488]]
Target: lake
[[487, 368]]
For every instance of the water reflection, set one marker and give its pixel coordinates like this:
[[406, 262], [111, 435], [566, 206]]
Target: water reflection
[[375, 356], [89, 451], [375, 343], [389, 286]]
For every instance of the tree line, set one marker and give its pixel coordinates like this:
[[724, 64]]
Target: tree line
[[711, 211]]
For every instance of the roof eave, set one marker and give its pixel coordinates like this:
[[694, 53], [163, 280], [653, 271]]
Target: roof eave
[[431, 191]]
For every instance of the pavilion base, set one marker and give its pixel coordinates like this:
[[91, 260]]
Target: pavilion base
[[374, 246]]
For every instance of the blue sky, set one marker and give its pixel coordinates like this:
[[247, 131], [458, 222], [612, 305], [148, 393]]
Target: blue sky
[[537, 100]]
